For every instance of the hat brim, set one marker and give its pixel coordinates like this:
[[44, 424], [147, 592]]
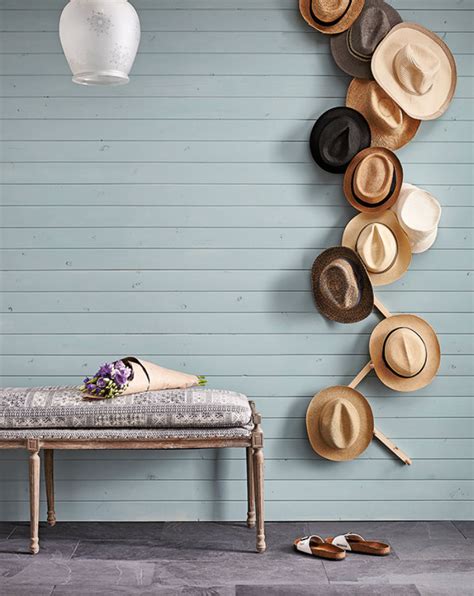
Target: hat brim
[[431, 104], [428, 335], [342, 24], [350, 63], [349, 175], [356, 98], [366, 419], [323, 120], [403, 258], [366, 303]]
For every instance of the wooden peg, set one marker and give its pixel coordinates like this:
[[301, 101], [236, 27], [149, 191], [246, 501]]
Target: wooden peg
[[390, 445], [361, 375], [381, 308]]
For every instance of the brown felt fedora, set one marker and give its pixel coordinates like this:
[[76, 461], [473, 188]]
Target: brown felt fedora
[[373, 180], [405, 352], [390, 126], [416, 69], [352, 50], [341, 286], [382, 245], [330, 16], [339, 423]]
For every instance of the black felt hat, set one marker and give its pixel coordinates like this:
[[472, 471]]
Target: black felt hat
[[352, 50], [338, 135]]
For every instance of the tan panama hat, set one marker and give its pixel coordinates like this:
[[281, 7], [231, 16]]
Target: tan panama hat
[[341, 287], [382, 245], [405, 352], [330, 16], [416, 69], [389, 125], [339, 423], [373, 180], [418, 213]]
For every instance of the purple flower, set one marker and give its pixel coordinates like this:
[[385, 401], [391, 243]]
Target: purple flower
[[101, 382], [106, 370]]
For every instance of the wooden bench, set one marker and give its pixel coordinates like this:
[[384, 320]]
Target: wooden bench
[[21, 409]]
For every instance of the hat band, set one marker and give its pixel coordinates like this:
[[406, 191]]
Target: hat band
[[380, 203], [355, 53], [388, 365], [327, 23]]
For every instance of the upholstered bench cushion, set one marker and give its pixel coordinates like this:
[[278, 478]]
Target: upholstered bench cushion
[[64, 407]]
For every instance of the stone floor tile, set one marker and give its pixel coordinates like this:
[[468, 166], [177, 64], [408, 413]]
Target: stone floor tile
[[96, 531], [466, 528], [49, 548], [152, 590], [6, 528], [331, 590], [25, 590]]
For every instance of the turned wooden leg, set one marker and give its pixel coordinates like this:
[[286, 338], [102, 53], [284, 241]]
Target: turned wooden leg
[[259, 506], [49, 478], [33, 448], [250, 489]]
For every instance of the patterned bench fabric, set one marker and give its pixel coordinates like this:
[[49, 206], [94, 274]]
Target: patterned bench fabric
[[124, 434], [64, 407]]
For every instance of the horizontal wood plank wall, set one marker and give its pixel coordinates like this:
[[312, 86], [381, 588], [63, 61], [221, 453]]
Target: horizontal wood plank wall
[[177, 218]]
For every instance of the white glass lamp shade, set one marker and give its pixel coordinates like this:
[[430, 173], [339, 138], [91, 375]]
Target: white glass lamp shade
[[100, 40]]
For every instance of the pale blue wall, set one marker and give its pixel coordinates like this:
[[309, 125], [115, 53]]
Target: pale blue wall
[[177, 218]]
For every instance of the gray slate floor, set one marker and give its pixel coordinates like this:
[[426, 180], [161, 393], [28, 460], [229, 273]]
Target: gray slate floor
[[204, 559]]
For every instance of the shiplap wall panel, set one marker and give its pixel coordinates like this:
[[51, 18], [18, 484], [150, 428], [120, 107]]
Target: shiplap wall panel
[[177, 218]]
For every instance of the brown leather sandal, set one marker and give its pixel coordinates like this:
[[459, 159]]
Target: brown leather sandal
[[356, 544], [316, 546]]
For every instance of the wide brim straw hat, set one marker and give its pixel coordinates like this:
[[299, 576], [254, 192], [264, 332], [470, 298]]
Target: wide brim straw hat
[[416, 69], [430, 360], [390, 126], [337, 136], [352, 50], [339, 423], [399, 255], [373, 180], [341, 286], [324, 17]]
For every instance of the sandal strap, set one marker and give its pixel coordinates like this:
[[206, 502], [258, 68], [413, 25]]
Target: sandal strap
[[303, 544], [342, 540]]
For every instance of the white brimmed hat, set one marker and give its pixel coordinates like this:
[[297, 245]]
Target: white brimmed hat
[[416, 69], [418, 213]]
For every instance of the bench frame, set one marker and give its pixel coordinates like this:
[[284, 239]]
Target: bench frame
[[254, 459]]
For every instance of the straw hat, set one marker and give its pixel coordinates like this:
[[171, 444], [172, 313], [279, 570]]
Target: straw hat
[[416, 69], [373, 180], [330, 16], [405, 352], [338, 135], [352, 50], [418, 213], [341, 287], [381, 244], [389, 125], [339, 423]]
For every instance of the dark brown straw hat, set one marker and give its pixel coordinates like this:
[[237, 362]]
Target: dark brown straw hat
[[373, 180], [352, 50], [390, 126], [330, 16], [337, 136], [341, 286]]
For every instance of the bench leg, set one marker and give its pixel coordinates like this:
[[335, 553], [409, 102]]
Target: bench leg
[[49, 479], [258, 474], [250, 489], [33, 448]]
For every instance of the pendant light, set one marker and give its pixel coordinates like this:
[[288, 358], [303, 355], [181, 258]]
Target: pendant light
[[100, 40]]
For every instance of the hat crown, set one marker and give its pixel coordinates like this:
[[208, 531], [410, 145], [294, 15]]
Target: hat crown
[[329, 10], [339, 423], [339, 284], [405, 352], [373, 178], [339, 141], [419, 211], [368, 31], [377, 247], [388, 114], [416, 67]]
